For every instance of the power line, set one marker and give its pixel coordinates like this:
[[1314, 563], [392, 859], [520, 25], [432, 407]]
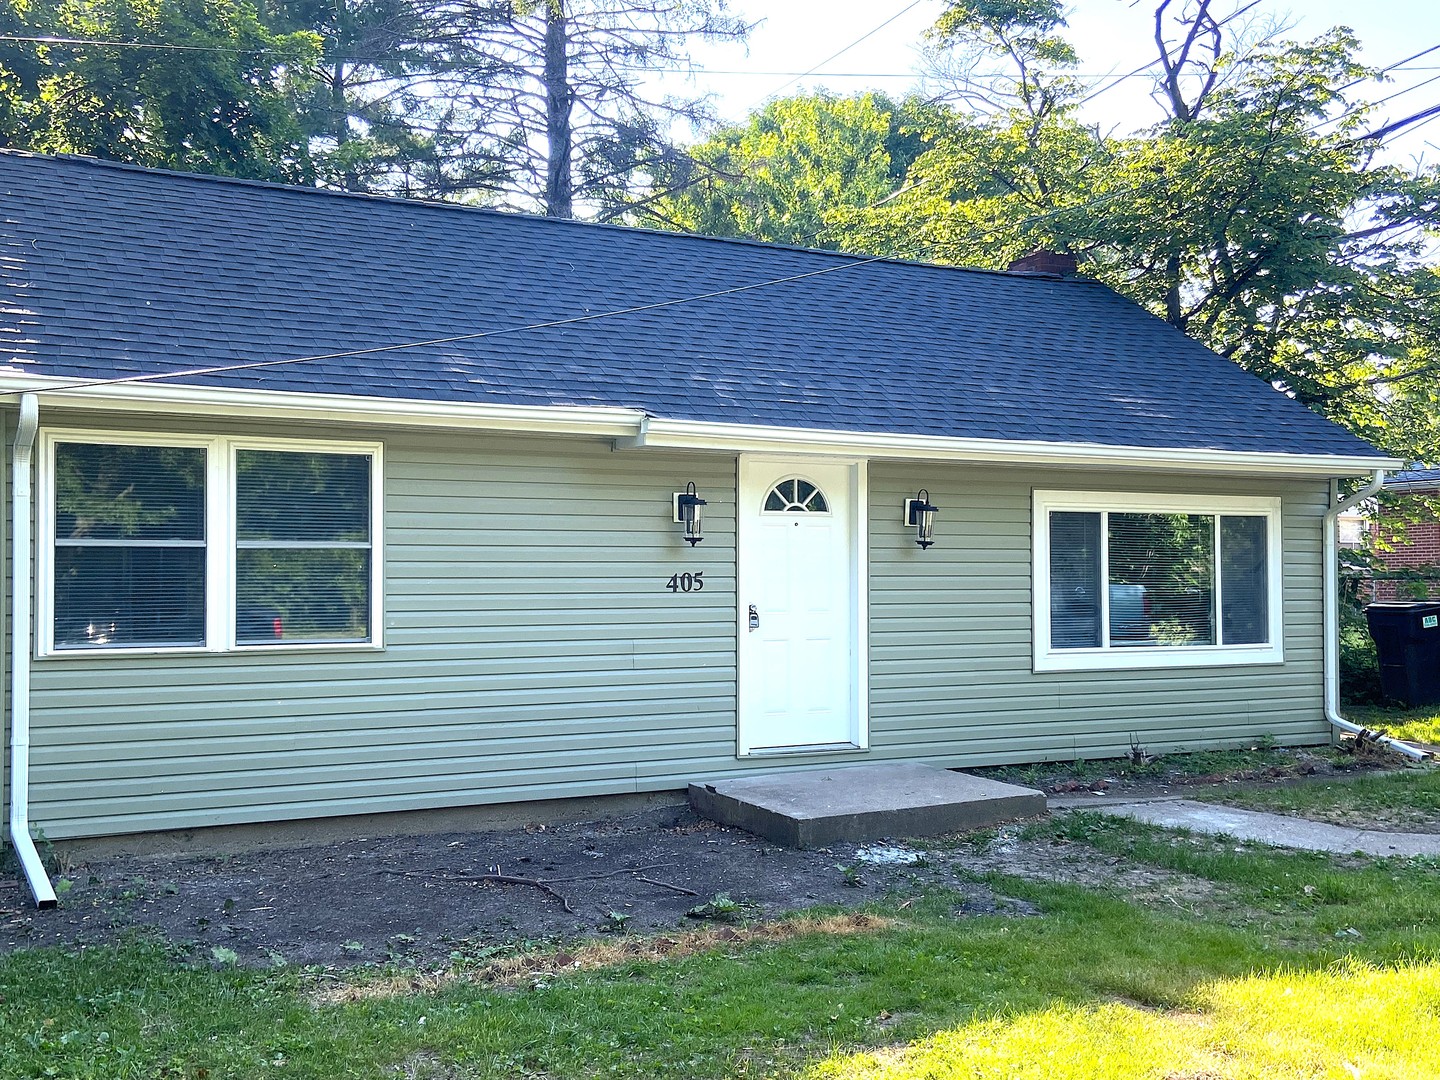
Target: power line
[[975, 233], [1423, 116], [251, 365], [836, 55], [92, 42], [728, 72]]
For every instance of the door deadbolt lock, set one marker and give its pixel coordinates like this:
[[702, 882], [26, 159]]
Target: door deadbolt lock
[[754, 618]]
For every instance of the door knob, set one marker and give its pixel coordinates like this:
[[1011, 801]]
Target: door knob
[[754, 618]]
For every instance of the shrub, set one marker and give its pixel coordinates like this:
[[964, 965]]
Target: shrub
[[1359, 664]]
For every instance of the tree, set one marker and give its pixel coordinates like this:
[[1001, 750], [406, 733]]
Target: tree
[[220, 97], [560, 85], [376, 121], [1257, 217], [791, 172], [1023, 37]]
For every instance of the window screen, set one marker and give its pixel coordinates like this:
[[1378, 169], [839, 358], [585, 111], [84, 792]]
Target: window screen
[[129, 546], [303, 543]]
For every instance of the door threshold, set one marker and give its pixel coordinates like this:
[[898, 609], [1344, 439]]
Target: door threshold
[[812, 748]]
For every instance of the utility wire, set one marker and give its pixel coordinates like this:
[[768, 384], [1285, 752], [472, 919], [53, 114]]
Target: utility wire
[[251, 365], [1423, 116], [637, 309], [836, 55], [729, 72]]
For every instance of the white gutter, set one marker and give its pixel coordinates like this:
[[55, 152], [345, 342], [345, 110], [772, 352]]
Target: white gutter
[[20, 657], [705, 435], [1332, 627], [606, 421], [632, 429]]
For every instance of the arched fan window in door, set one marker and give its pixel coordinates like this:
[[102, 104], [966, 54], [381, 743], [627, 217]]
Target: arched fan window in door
[[796, 496]]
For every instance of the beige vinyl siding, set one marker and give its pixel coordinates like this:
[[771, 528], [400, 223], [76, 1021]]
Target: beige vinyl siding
[[951, 677], [532, 651]]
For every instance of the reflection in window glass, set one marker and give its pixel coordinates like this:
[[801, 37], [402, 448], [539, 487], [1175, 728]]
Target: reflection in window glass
[[1162, 575], [1074, 580], [302, 569], [129, 546], [1244, 580], [1162, 579]]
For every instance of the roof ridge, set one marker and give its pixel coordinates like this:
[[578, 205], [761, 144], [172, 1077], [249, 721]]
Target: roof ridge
[[405, 202]]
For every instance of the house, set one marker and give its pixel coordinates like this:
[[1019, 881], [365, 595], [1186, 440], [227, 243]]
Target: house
[[348, 505], [1409, 565]]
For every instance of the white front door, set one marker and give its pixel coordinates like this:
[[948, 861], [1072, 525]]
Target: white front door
[[801, 596]]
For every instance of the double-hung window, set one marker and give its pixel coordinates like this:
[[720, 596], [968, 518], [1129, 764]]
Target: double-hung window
[[154, 542], [1132, 581], [130, 540]]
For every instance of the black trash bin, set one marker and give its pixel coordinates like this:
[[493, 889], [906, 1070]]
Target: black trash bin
[[1407, 638]]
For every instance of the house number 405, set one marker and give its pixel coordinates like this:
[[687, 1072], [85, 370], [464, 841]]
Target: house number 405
[[686, 582]]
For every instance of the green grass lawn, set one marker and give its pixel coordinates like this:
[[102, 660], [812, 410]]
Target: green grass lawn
[[1417, 725], [1394, 800], [1283, 965]]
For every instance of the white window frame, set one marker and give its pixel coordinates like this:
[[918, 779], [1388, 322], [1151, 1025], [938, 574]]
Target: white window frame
[[220, 541], [1107, 658]]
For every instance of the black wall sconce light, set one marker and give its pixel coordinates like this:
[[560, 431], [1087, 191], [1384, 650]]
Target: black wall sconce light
[[920, 516], [687, 513]]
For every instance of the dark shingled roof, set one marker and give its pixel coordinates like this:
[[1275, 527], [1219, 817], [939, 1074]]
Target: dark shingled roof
[[112, 270], [1415, 477]]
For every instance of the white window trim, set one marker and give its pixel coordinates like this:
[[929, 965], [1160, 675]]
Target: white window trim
[[220, 541], [1178, 656]]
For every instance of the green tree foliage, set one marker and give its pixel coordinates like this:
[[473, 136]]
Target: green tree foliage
[[375, 105], [793, 171], [222, 98], [1258, 218]]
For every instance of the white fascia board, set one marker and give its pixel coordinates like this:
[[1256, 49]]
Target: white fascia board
[[236, 403], [632, 429], [746, 438]]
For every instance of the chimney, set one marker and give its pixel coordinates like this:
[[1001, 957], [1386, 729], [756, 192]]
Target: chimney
[[1045, 262]]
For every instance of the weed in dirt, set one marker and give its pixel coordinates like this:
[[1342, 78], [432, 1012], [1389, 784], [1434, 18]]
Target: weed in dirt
[[982, 840], [1262, 760], [721, 907]]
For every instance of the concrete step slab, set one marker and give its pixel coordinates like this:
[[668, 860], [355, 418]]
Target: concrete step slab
[[815, 808]]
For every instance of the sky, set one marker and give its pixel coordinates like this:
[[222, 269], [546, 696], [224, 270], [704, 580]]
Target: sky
[[1113, 37]]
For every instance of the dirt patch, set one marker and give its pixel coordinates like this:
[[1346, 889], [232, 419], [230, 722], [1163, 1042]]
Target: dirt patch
[[1145, 777], [465, 900], [423, 900], [1007, 851], [536, 965]]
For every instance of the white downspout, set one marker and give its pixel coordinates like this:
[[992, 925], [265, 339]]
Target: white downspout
[[1332, 627], [20, 656]]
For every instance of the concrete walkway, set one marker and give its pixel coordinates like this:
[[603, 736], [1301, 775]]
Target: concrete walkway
[[1277, 830]]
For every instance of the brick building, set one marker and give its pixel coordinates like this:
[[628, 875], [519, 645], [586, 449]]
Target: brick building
[[1416, 561]]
